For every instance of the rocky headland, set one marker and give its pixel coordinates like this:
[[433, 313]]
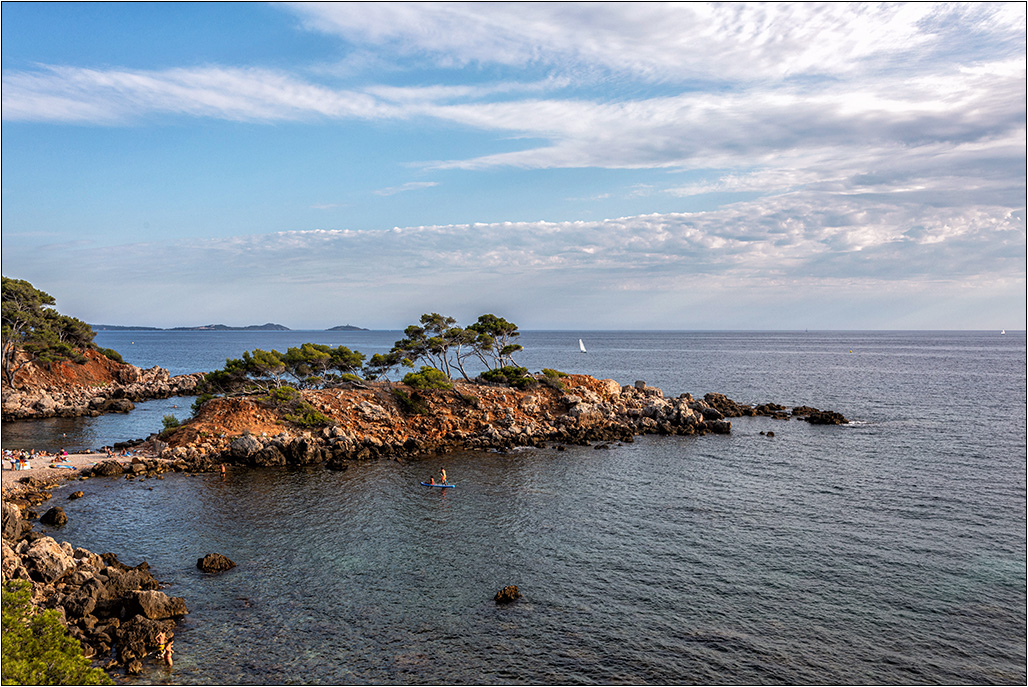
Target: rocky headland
[[369, 420], [99, 385]]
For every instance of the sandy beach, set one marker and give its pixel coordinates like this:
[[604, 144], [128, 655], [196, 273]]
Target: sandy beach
[[40, 467]]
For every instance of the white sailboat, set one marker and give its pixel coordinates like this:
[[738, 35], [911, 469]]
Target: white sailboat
[[1002, 332], [581, 346]]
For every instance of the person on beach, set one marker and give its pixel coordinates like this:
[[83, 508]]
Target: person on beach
[[168, 651]]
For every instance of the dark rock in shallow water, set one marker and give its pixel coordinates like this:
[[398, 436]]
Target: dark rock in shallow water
[[507, 595], [214, 563], [55, 517], [75, 495], [108, 468], [826, 417]]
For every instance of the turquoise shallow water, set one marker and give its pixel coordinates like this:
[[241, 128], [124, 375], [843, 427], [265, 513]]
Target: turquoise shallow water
[[891, 550]]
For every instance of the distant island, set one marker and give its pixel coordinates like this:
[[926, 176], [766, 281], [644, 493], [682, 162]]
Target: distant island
[[347, 328], [270, 326]]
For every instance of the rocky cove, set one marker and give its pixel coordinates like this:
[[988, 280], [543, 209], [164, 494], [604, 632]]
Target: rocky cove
[[117, 612]]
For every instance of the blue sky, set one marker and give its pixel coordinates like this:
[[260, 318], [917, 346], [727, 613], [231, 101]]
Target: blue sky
[[579, 166]]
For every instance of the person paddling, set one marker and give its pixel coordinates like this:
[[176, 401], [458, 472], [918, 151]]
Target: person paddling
[[442, 475]]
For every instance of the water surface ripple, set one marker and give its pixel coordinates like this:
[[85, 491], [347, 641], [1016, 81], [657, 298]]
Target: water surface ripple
[[888, 551]]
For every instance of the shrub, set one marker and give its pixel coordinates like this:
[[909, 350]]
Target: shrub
[[112, 354], [510, 375], [554, 374], [283, 395], [37, 649], [410, 405], [427, 378], [170, 422], [200, 400], [307, 415]]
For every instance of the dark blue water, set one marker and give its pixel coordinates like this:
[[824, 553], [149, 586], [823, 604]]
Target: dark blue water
[[887, 551]]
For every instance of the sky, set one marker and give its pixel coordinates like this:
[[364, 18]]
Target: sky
[[566, 166]]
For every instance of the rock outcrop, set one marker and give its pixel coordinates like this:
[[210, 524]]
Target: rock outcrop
[[104, 603], [98, 386], [370, 420]]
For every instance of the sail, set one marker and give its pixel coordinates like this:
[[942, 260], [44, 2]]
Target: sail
[[582, 346]]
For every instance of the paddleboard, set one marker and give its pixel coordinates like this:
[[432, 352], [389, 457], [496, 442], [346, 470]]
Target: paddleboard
[[441, 486]]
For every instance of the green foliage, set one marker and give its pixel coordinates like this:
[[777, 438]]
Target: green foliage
[[283, 395], [30, 324], [510, 375], [427, 378], [447, 347], [37, 649], [412, 405], [112, 354], [310, 366], [307, 415], [170, 422], [200, 400], [554, 373]]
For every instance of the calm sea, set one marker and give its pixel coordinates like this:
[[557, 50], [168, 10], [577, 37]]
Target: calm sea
[[891, 550]]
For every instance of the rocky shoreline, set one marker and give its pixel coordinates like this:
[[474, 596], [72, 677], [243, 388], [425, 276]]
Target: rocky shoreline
[[99, 386], [115, 611], [118, 611], [370, 420]]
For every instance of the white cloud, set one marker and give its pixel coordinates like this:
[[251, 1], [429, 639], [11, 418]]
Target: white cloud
[[672, 41], [409, 186]]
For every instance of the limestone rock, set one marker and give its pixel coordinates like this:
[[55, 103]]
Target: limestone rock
[[214, 563], [12, 522], [47, 561], [157, 605]]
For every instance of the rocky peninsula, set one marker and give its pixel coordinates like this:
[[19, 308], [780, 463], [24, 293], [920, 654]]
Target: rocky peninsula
[[94, 387], [370, 420]]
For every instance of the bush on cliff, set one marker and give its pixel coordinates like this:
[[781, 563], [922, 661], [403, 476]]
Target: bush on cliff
[[510, 375], [307, 415], [37, 649], [427, 378], [411, 405]]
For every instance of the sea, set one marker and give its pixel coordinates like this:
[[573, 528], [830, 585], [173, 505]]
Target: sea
[[890, 550]]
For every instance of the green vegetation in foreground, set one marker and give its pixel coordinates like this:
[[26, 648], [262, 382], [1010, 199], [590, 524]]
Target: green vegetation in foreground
[[37, 649], [32, 325]]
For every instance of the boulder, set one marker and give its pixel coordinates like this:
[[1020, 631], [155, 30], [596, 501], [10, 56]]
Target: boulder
[[507, 595], [55, 517], [12, 522], [245, 446], [83, 601], [157, 605], [108, 468], [75, 495], [47, 561], [214, 563]]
